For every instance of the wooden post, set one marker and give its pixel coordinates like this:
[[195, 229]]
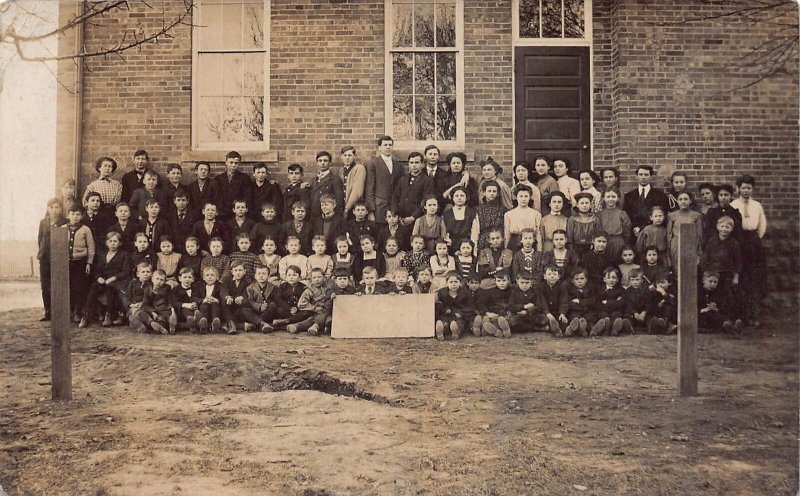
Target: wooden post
[[687, 310], [61, 347]]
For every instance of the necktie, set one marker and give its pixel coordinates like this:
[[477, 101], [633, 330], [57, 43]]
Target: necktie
[[641, 194]]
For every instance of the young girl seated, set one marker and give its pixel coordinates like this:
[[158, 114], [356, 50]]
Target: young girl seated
[[367, 257], [560, 256], [168, 260], [271, 260], [343, 258], [582, 225], [417, 257], [554, 220], [654, 234], [441, 263], [466, 262], [424, 282], [430, 226], [110, 273], [319, 259], [652, 268], [520, 218], [627, 265], [527, 260]]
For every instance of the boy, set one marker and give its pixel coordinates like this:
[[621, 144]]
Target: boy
[[359, 226], [451, 306], [133, 295], [191, 258], [410, 190], [525, 306], [318, 259], [216, 259], [329, 224], [202, 190], [299, 226], [233, 292], [152, 225], [494, 304], [142, 195], [156, 311], [239, 223], [354, 178], [209, 228], [293, 259], [209, 292], [611, 305], [260, 308], [134, 179], [244, 255], [185, 300], [400, 284], [369, 284], [341, 281], [326, 183], [527, 259], [581, 304], [712, 304], [171, 186], [265, 191], [96, 220], [296, 190], [392, 229], [554, 296], [267, 227], [288, 296], [125, 227], [318, 299], [596, 260], [493, 258], [472, 315], [724, 197], [54, 218], [722, 254], [637, 303], [665, 308], [81, 258], [180, 220], [232, 185]]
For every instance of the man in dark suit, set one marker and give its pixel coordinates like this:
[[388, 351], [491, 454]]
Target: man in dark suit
[[410, 191], [232, 185], [639, 201], [440, 176], [202, 190], [134, 179], [325, 182], [382, 178]]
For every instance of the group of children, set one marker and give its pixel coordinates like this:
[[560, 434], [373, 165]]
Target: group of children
[[579, 269]]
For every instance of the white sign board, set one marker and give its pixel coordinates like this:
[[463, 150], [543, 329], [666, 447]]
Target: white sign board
[[384, 316]]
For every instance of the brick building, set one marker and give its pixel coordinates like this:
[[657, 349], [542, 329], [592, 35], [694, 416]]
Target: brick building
[[602, 82]]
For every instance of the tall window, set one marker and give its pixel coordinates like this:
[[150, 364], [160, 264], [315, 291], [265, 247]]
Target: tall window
[[553, 20], [230, 87], [424, 67]]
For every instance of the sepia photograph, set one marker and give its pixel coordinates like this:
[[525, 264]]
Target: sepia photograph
[[399, 247]]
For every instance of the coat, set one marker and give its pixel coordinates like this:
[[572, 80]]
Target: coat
[[380, 186]]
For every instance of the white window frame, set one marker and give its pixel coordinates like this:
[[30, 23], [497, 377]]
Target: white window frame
[[587, 29], [258, 146], [459, 142]]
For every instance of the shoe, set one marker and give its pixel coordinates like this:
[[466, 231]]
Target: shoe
[[738, 325], [440, 330], [583, 326], [662, 325], [203, 324], [107, 320], [158, 328], [292, 328], [313, 330], [83, 323], [672, 328], [248, 327], [554, 327], [617, 326], [45, 317], [191, 321], [476, 331], [216, 325], [490, 330], [455, 330], [118, 321], [280, 322], [232, 328], [627, 326], [652, 325], [504, 327], [76, 317], [138, 327], [266, 327], [572, 327], [598, 328]]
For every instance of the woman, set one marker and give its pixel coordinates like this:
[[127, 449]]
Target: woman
[[522, 171], [460, 177], [491, 170]]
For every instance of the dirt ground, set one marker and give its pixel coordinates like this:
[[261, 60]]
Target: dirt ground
[[299, 415]]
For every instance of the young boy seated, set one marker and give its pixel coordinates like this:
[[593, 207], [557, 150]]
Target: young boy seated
[[451, 307], [596, 260], [637, 302], [581, 304], [317, 299], [494, 304], [359, 226], [244, 255], [233, 292], [156, 311], [260, 308], [610, 305], [554, 296], [400, 285], [289, 293], [664, 316], [185, 301], [369, 279], [713, 306], [493, 258], [133, 295], [526, 308], [209, 292], [473, 314], [341, 283]]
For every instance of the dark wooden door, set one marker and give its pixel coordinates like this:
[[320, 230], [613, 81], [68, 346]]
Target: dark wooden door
[[553, 104]]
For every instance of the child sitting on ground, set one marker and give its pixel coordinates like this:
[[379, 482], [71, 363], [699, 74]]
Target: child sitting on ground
[[527, 311], [260, 308], [664, 316], [472, 315], [400, 283], [554, 297], [317, 299], [209, 293], [637, 303], [610, 305], [424, 283], [581, 304], [185, 301], [156, 311], [369, 286], [234, 289], [168, 261], [493, 306], [713, 306], [451, 306], [341, 283]]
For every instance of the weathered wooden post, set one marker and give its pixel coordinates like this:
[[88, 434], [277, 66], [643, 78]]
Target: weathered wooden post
[[61, 347], [687, 310]]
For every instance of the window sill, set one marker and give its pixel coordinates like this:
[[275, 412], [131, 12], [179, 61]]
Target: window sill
[[193, 156]]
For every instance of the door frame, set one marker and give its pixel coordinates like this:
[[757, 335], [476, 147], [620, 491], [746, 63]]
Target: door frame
[[586, 41]]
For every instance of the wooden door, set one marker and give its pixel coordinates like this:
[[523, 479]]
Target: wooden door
[[553, 104]]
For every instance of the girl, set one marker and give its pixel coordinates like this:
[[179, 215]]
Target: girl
[[752, 282], [417, 257], [522, 172], [653, 267], [627, 265], [677, 186], [112, 272], [489, 215], [368, 258], [581, 304], [110, 189], [319, 260], [724, 207], [441, 263], [566, 184], [142, 252], [430, 226], [610, 181], [544, 181], [491, 170], [124, 226], [270, 260], [168, 261], [554, 220], [521, 217], [459, 177], [582, 226], [67, 195], [343, 258], [708, 197], [424, 283], [458, 220], [452, 305], [465, 260], [392, 257], [684, 215], [654, 234], [616, 224], [560, 256], [588, 179]]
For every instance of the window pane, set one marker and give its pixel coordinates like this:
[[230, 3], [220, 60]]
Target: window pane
[[232, 119], [573, 19], [254, 26], [403, 118], [551, 18], [445, 25], [402, 70], [210, 74], [423, 25], [423, 108], [254, 119], [423, 73], [446, 117], [210, 26], [445, 73], [232, 26], [232, 74], [209, 116], [254, 74], [402, 19], [529, 18]]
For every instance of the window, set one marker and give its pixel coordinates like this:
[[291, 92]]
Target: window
[[424, 67], [557, 21], [230, 84]]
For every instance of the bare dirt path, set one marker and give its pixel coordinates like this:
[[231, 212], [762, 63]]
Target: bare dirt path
[[281, 414]]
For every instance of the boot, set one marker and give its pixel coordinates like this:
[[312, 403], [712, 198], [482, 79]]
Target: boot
[[502, 323], [455, 329], [573, 327], [440, 330], [617, 326], [490, 330], [554, 327], [598, 328]]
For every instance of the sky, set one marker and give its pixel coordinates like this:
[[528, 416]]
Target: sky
[[27, 128]]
